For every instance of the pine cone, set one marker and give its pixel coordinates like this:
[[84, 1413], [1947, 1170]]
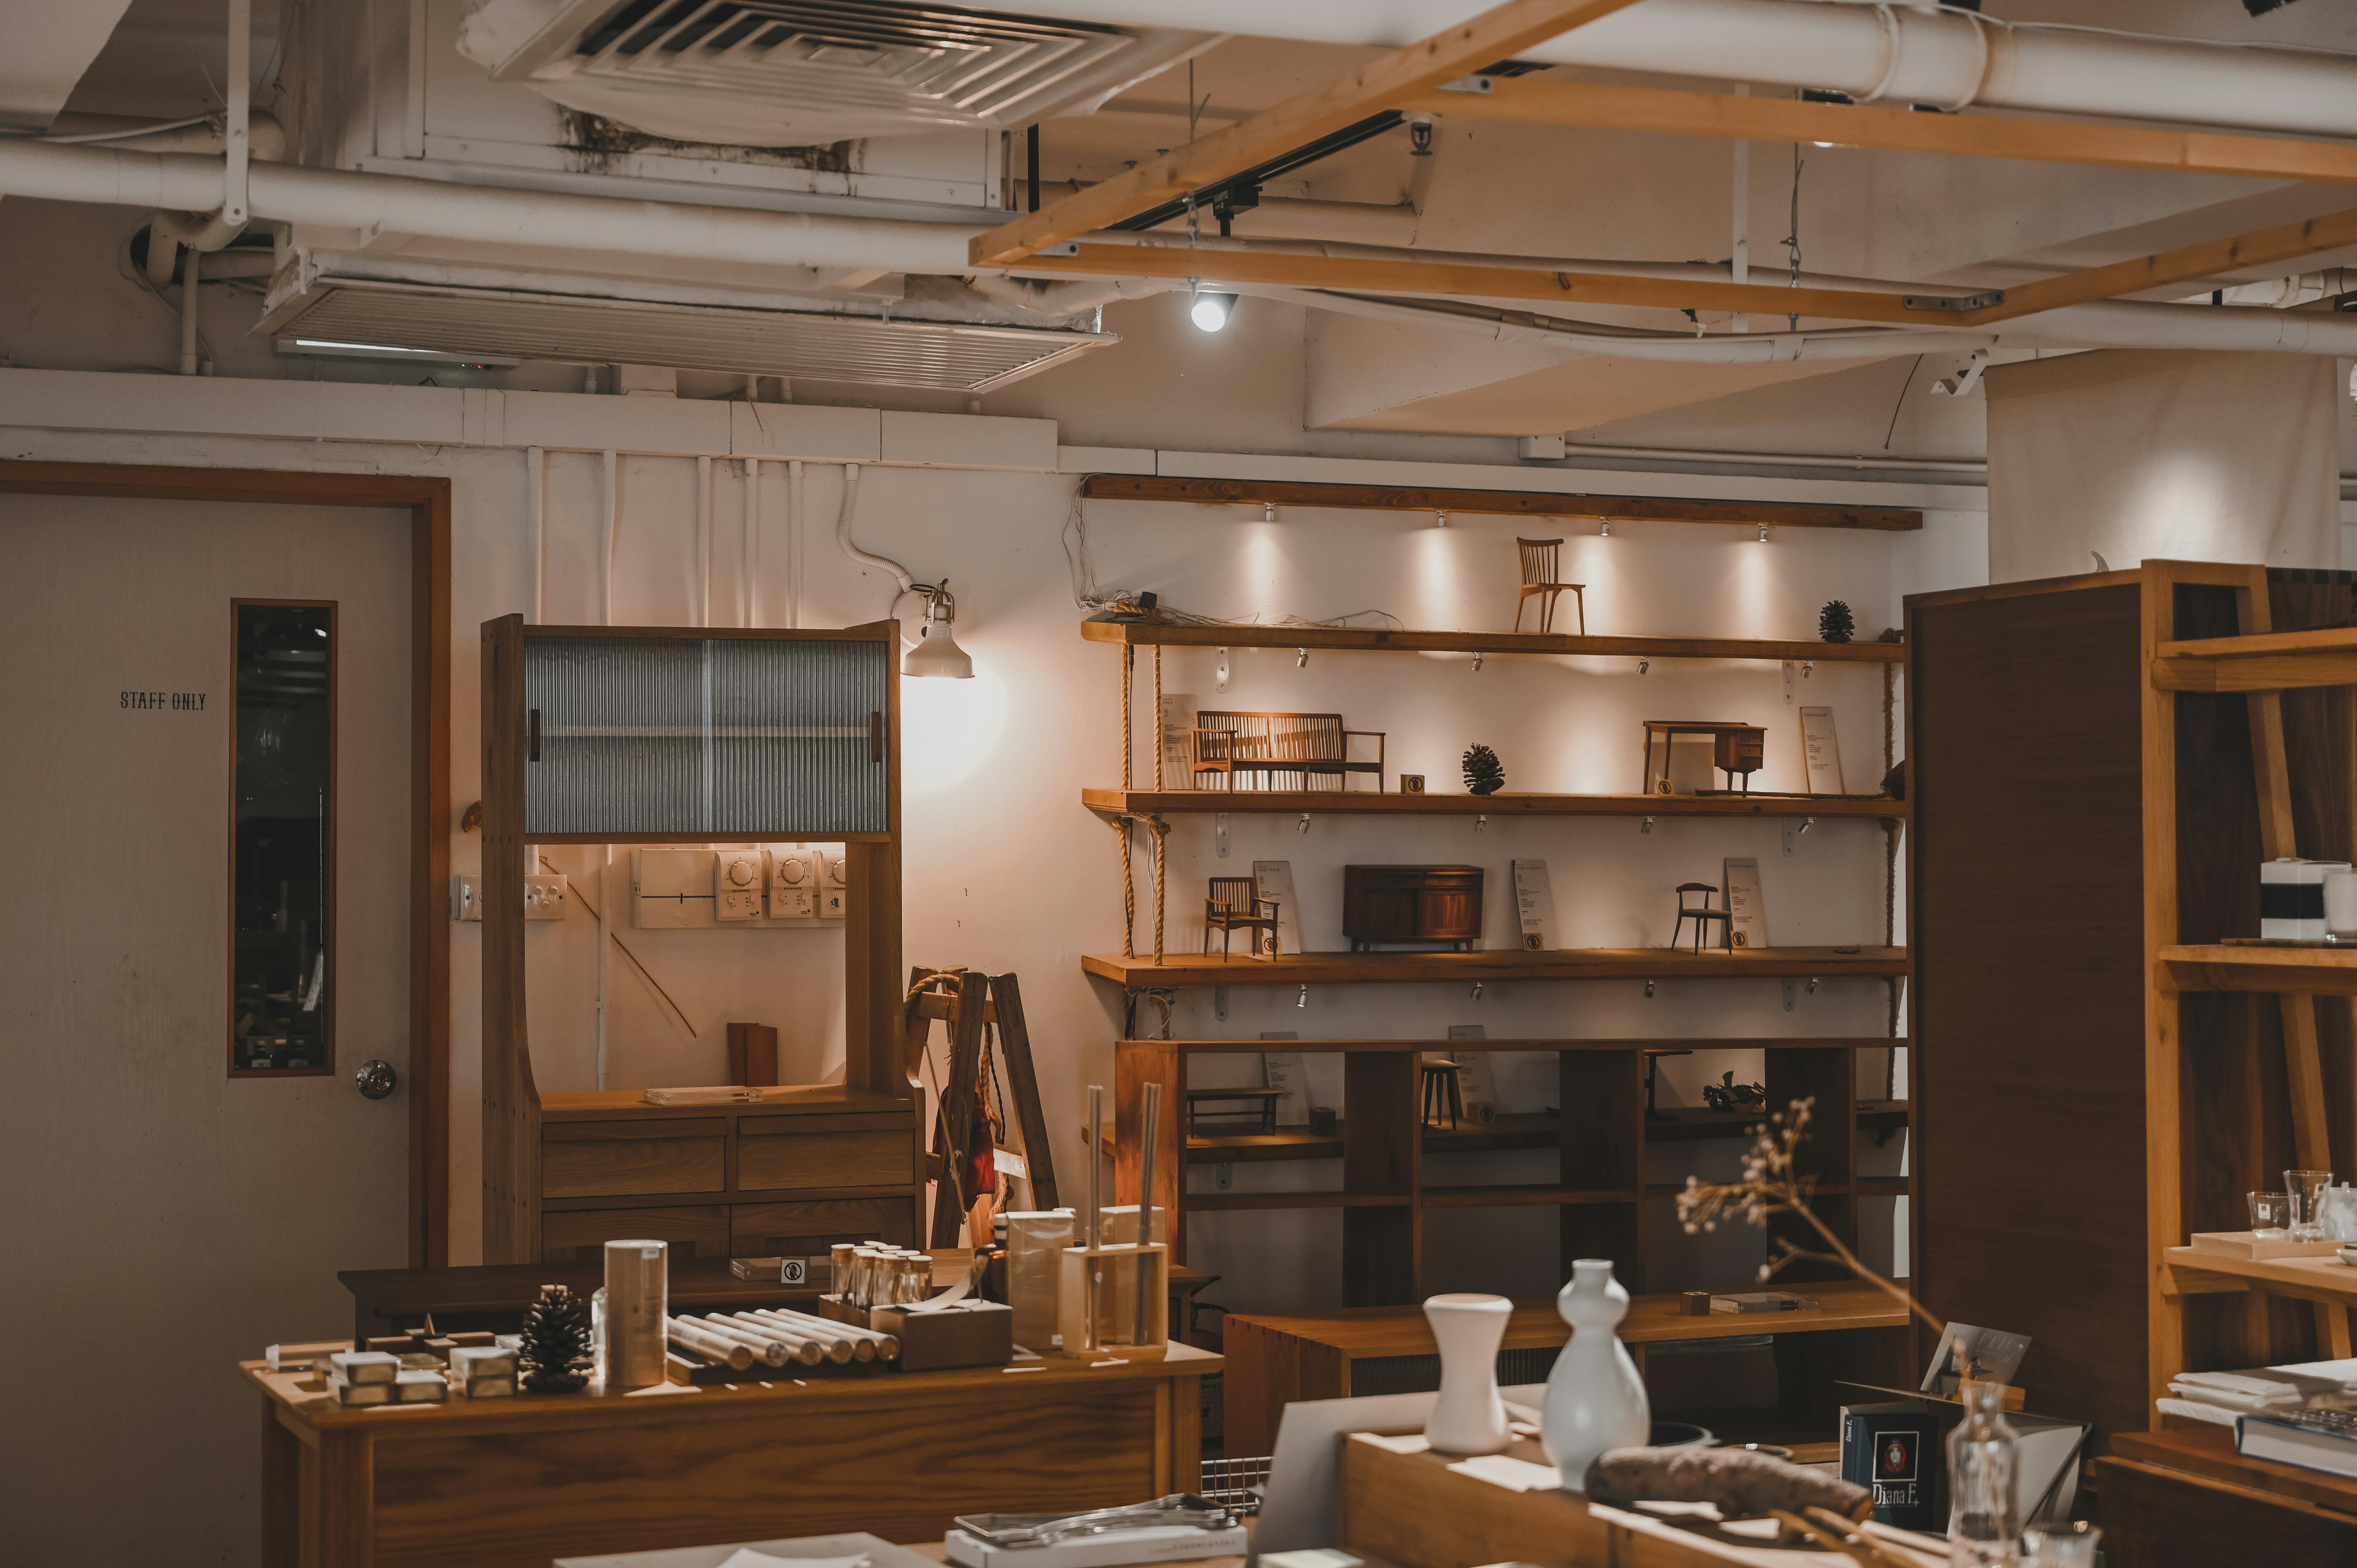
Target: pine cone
[[1484, 773], [1835, 623], [556, 1357]]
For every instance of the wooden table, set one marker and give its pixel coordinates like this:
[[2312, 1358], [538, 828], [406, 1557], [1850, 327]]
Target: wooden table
[[1410, 1510], [513, 1482], [2186, 1499], [1274, 1361]]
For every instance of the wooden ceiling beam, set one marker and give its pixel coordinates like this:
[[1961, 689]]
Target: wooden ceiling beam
[[1595, 106], [1503, 503], [2265, 247], [1381, 83], [1449, 281]]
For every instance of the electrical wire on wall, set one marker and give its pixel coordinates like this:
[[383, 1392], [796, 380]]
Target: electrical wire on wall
[[1089, 596]]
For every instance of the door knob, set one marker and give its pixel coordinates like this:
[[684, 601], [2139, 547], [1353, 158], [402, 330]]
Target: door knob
[[376, 1079]]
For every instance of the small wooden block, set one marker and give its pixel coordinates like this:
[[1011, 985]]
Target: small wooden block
[[971, 1334]]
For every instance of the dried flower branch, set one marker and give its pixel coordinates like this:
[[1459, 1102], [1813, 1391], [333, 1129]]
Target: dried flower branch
[[1772, 1185]]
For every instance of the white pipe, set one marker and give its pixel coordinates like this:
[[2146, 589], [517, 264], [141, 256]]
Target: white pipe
[[613, 529], [794, 543], [236, 145], [1575, 449], [843, 532], [1739, 265], [1902, 53], [703, 541], [752, 597], [1068, 299], [535, 507], [265, 137]]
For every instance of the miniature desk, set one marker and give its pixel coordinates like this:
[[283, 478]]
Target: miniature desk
[[513, 1482]]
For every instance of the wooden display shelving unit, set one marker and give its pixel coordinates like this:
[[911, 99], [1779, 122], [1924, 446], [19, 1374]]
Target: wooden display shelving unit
[[1367, 802], [1601, 1134], [1502, 963]]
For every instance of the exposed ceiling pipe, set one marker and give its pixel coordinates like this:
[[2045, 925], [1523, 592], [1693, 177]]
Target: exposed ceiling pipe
[[1068, 298], [1889, 53]]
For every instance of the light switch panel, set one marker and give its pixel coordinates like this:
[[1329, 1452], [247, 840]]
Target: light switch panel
[[544, 897], [835, 888], [737, 879], [794, 876]]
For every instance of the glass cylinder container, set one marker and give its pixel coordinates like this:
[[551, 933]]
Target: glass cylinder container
[[1984, 1483], [2066, 1545]]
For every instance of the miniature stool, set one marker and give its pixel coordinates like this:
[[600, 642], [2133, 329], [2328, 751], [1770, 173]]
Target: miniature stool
[[1702, 915], [1442, 1093]]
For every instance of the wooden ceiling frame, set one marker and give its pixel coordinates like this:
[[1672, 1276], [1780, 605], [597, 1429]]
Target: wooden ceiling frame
[[1381, 83], [1595, 106], [1493, 503]]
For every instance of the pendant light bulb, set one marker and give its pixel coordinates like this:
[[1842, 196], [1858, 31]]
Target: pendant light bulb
[[936, 653], [1210, 310]]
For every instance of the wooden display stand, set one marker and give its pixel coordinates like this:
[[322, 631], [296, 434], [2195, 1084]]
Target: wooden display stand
[[1121, 1270], [803, 1167], [2083, 849]]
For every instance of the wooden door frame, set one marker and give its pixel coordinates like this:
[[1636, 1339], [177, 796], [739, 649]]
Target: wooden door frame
[[427, 501]]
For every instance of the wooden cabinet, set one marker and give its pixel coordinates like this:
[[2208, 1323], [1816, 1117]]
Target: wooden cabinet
[[1411, 903]]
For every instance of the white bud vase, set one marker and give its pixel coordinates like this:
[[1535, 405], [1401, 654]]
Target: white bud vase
[[1595, 1399], [1470, 1417]]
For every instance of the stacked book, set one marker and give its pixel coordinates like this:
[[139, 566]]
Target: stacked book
[[2313, 1439], [2224, 1398]]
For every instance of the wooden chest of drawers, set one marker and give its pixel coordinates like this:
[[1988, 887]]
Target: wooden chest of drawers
[[1411, 903]]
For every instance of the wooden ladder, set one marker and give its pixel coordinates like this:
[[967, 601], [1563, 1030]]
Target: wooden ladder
[[965, 1001]]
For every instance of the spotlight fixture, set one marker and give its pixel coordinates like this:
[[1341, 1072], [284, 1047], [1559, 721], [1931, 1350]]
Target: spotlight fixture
[[1268, 511], [1763, 533], [937, 652], [1210, 310], [1608, 528], [1440, 519]]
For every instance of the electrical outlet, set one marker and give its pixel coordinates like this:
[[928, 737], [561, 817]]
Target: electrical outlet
[[466, 896], [544, 897]]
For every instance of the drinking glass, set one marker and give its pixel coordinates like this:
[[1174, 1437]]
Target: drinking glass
[[2069, 1545], [2304, 1188], [2270, 1212]]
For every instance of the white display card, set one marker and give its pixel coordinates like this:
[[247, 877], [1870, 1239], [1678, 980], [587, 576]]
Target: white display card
[[1535, 904], [1747, 904], [1274, 879], [1823, 750], [1178, 740], [1287, 1071], [1474, 1080]]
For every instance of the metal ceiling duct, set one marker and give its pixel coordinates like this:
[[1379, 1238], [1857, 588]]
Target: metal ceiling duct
[[581, 329], [798, 72]]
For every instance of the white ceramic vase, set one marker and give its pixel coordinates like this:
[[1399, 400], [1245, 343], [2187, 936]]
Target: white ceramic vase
[[1595, 1399], [1470, 1417]]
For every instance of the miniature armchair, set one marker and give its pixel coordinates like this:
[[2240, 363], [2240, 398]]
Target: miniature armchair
[[1233, 907]]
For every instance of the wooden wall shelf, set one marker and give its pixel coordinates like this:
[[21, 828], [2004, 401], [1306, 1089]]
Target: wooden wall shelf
[[1501, 964], [1143, 634], [2325, 1279], [1536, 504], [1599, 1138], [2325, 972], [1286, 803]]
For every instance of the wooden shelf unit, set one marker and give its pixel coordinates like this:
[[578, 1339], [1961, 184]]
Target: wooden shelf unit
[[1373, 640], [2099, 1073], [806, 1165], [1601, 1192], [1367, 802], [1502, 963]]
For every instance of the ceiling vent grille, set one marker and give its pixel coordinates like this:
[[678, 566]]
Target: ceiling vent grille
[[498, 323], [791, 72]]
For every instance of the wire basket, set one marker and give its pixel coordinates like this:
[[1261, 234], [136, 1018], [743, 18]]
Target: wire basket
[[1236, 1484]]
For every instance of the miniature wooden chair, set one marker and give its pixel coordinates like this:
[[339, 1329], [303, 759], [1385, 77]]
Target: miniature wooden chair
[[1539, 568], [1233, 907], [1702, 915]]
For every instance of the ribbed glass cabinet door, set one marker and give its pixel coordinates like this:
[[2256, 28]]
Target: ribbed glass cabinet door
[[705, 737]]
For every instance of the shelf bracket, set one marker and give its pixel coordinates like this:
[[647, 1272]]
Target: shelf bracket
[[1788, 681], [1223, 1177], [1481, 823], [1222, 671], [1219, 837], [1649, 990], [1790, 993], [1219, 1003]]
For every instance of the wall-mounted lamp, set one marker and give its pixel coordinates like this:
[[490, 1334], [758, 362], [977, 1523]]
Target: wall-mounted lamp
[[1440, 519], [1763, 533], [1268, 511], [1607, 532], [1211, 309], [937, 652]]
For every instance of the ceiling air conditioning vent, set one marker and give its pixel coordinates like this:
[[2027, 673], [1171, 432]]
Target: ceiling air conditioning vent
[[499, 323], [797, 72]]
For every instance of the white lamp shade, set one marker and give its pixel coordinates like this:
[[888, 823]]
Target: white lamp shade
[[938, 654]]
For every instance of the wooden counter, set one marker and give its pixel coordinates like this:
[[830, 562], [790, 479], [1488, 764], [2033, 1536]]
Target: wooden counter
[[512, 1483]]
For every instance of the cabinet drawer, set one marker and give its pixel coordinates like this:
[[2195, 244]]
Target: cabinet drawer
[[620, 1159], [786, 1159], [798, 1229], [580, 1235]]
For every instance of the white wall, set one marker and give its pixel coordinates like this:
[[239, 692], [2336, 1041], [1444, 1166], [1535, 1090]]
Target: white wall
[[1008, 872]]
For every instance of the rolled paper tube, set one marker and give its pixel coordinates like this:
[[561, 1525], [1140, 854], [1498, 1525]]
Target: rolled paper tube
[[765, 1349], [777, 1345], [710, 1346], [809, 1352], [887, 1346], [838, 1348]]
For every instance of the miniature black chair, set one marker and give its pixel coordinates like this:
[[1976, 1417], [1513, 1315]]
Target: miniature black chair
[[1442, 1095], [1702, 915]]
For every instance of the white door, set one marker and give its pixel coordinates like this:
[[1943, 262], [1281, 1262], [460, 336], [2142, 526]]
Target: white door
[[161, 1218]]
